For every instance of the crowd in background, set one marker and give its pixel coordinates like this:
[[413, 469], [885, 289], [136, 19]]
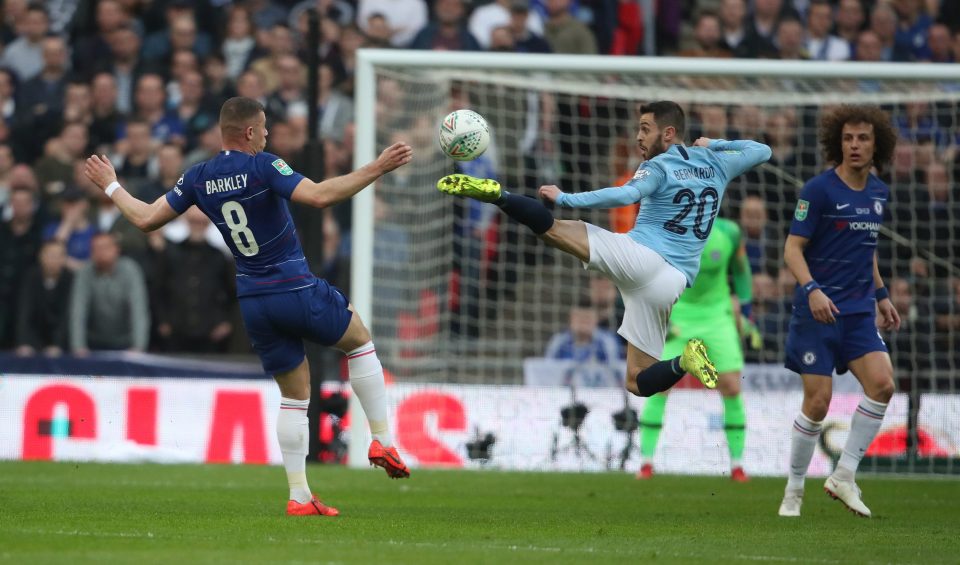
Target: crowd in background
[[142, 82]]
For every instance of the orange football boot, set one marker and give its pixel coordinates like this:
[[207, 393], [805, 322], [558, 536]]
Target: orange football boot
[[311, 508], [389, 459]]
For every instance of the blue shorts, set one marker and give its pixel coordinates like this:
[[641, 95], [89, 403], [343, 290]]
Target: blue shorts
[[816, 349], [278, 323]]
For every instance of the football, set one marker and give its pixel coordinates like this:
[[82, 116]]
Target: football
[[464, 135]]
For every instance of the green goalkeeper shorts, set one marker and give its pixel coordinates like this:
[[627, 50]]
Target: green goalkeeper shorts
[[718, 334]]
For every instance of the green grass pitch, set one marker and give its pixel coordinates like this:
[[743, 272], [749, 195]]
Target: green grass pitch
[[93, 513]]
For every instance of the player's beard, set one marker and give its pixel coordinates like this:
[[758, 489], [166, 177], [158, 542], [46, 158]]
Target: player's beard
[[656, 148]]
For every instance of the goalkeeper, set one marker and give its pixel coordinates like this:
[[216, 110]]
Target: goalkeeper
[[707, 311]]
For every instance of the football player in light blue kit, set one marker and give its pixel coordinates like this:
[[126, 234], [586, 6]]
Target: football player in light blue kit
[[680, 188], [245, 191]]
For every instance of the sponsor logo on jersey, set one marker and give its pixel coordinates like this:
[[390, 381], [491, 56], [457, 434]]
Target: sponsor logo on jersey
[[809, 358], [863, 210], [282, 166], [842, 206], [641, 174], [715, 255], [800, 214]]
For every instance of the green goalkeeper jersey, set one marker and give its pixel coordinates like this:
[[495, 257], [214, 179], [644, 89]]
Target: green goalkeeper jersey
[[709, 297]]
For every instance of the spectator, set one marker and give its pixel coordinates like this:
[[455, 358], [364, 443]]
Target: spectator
[[883, 22], [761, 239], [135, 161], [584, 341], [448, 31], [266, 13], [125, 64], [336, 109], [208, 147], [733, 16], [250, 85], [607, 304], [8, 95], [73, 229], [911, 34], [25, 54], [708, 38], [239, 47], [195, 110], [40, 100], [524, 40], [790, 42], [869, 47], [78, 104], [44, 303], [6, 168], [181, 33], [105, 119], [219, 86], [195, 293], [940, 44], [820, 45], [762, 29], [281, 44], [19, 243], [498, 13], [108, 304], [182, 62], [564, 33], [404, 17], [287, 102], [90, 50], [378, 32], [151, 108], [55, 168], [849, 21], [351, 39]]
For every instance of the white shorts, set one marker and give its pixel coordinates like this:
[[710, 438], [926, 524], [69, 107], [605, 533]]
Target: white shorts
[[648, 284]]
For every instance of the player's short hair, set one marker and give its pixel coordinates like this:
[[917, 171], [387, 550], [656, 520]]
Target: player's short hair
[[831, 132], [237, 114], [667, 113]]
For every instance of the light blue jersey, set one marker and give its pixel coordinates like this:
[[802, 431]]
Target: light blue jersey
[[680, 190]]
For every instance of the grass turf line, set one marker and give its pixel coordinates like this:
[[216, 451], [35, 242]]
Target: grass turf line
[[96, 513]]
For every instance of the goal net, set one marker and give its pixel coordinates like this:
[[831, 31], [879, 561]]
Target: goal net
[[463, 302]]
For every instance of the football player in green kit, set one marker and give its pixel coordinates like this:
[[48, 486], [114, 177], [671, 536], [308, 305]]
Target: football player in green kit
[[706, 311]]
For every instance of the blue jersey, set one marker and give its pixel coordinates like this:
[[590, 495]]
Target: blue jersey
[[842, 226], [681, 190], [246, 198]]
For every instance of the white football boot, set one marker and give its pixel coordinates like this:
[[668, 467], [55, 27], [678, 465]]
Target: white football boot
[[792, 500], [848, 493]]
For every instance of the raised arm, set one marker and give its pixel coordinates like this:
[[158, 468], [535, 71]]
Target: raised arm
[[740, 155], [337, 189], [644, 183], [147, 217]]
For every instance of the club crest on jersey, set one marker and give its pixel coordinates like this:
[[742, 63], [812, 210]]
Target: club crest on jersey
[[641, 174], [802, 208], [282, 166], [878, 207], [809, 358]]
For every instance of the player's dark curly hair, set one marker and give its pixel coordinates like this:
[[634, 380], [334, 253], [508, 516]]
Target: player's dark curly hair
[[831, 133], [667, 113]]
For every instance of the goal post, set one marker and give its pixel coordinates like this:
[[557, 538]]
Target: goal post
[[447, 309]]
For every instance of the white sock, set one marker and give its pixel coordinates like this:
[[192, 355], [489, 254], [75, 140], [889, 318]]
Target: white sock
[[863, 428], [293, 433], [366, 378], [803, 441]]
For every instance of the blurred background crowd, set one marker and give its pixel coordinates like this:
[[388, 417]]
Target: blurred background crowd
[[142, 81]]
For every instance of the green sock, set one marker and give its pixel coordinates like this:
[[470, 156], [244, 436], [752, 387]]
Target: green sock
[[651, 422], [735, 426]]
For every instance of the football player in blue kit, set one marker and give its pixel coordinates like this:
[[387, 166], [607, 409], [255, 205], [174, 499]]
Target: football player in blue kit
[[832, 252], [244, 191]]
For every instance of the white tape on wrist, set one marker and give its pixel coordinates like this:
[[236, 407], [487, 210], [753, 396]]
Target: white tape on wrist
[[111, 188]]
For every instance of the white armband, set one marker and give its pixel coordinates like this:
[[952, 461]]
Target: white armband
[[111, 188]]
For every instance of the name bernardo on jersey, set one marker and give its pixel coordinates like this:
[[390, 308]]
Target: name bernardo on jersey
[[236, 182], [695, 173]]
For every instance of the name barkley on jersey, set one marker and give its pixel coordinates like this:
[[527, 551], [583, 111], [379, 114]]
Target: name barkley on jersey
[[236, 182]]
